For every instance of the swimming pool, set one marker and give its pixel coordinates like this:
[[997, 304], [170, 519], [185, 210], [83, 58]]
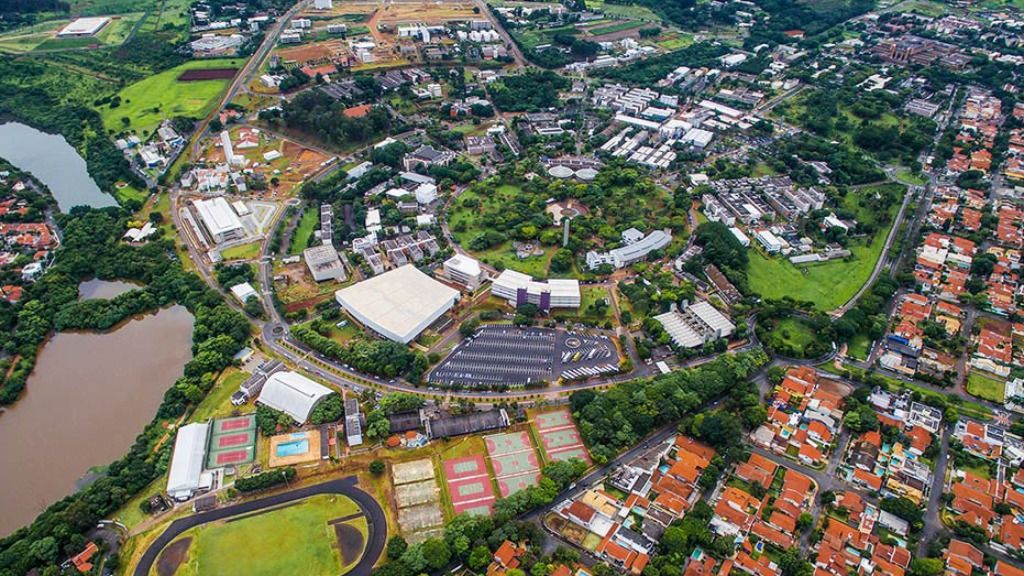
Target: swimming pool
[[292, 448]]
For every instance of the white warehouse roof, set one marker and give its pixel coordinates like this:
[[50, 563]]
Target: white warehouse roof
[[218, 216], [398, 304], [293, 394], [187, 461]]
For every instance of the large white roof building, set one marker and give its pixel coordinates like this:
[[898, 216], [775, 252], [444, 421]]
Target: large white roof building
[[696, 325], [219, 219], [293, 394], [398, 304], [84, 27], [185, 475]]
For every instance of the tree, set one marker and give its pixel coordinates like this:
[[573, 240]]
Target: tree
[[396, 547], [480, 558], [437, 553], [927, 567], [377, 467]]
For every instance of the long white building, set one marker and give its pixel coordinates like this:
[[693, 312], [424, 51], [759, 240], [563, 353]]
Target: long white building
[[518, 288], [633, 251], [398, 304], [185, 476], [219, 220]]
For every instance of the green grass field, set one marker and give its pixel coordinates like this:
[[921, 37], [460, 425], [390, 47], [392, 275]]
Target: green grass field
[[624, 10], [42, 36], [147, 102], [907, 177], [857, 347], [827, 285], [530, 39], [612, 28], [296, 539], [589, 295], [242, 251], [984, 387], [310, 220], [676, 42], [792, 333]]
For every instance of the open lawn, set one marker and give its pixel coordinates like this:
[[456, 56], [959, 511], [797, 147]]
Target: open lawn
[[147, 102], [617, 27], [907, 177], [218, 402], [624, 10], [589, 296], [295, 539], [242, 251], [310, 220], [827, 285], [791, 334], [530, 39], [857, 347], [984, 387]]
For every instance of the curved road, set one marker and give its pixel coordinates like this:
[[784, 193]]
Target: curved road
[[376, 522]]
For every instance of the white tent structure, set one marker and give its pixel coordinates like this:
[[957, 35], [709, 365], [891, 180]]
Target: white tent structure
[[293, 394], [185, 476]]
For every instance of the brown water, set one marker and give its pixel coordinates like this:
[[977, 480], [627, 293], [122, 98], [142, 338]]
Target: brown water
[[104, 289], [88, 398]]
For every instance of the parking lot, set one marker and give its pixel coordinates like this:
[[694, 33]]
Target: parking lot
[[499, 356]]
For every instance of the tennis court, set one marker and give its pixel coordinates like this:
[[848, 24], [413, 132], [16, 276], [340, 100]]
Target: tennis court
[[568, 453], [513, 484], [515, 464], [232, 442], [508, 443], [472, 493], [462, 468], [413, 471], [416, 493], [550, 420]]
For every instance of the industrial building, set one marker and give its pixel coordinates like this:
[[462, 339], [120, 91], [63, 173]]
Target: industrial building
[[465, 271], [185, 476], [83, 27], [398, 304], [696, 325], [219, 221], [353, 424], [293, 394], [323, 263], [242, 292], [518, 288]]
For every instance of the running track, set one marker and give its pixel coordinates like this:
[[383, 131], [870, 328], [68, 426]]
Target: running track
[[376, 523]]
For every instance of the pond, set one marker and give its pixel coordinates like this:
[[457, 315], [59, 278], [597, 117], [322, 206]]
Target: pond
[[90, 395], [104, 289], [53, 162]]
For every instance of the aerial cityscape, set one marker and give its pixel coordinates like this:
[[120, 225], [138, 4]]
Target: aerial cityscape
[[512, 287]]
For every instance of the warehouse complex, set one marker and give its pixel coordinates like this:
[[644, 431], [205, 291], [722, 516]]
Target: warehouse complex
[[293, 394], [398, 304], [519, 288]]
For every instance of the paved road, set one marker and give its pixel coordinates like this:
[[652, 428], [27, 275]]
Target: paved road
[[932, 522], [375, 520]]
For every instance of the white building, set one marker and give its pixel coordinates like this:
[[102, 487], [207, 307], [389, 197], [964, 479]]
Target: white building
[[696, 325], [398, 304], [464, 270], [185, 476], [426, 193], [323, 4], [771, 242], [242, 292], [83, 27], [323, 263], [631, 252], [518, 288], [293, 394], [219, 220]]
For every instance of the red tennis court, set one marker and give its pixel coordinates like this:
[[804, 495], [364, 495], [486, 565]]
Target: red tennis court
[[232, 457], [467, 467], [231, 440], [242, 422]]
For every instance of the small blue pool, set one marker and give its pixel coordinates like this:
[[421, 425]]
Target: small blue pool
[[292, 448]]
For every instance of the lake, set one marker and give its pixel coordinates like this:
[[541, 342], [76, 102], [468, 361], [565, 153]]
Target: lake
[[89, 397], [53, 162], [104, 289]]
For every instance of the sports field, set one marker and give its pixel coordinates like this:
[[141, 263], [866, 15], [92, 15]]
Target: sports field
[[469, 485], [148, 101], [514, 461], [320, 535], [559, 436], [232, 442]]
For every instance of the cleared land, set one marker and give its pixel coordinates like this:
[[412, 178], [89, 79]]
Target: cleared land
[[984, 387], [165, 95], [296, 539]]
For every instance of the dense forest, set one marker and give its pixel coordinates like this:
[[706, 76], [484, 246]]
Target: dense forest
[[528, 92], [92, 248], [383, 358], [811, 17]]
